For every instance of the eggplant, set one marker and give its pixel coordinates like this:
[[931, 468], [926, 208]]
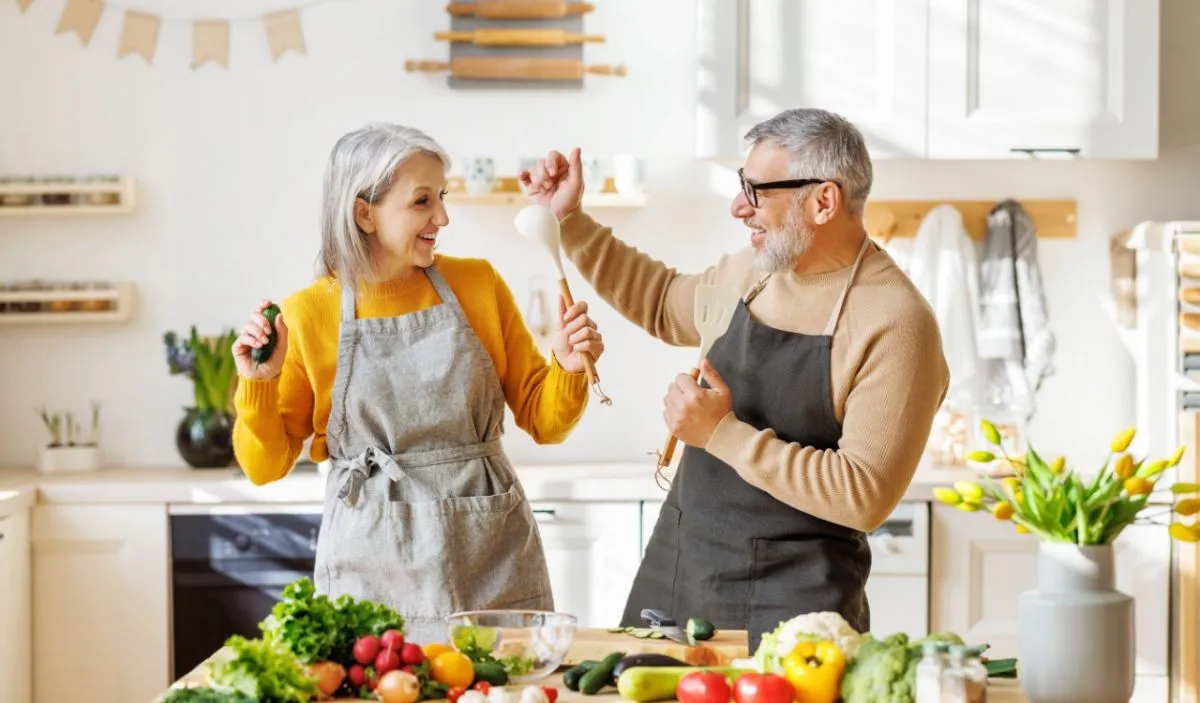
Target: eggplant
[[649, 659]]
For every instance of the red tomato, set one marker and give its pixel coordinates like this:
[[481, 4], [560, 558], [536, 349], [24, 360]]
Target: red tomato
[[455, 693], [551, 693], [763, 688], [703, 687], [483, 687]]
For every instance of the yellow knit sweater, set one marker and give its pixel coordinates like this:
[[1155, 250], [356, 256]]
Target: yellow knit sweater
[[275, 417]]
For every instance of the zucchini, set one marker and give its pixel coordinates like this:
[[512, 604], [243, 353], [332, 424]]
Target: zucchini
[[571, 676], [491, 672], [701, 629], [263, 353], [600, 675], [644, 684], [650, 659]]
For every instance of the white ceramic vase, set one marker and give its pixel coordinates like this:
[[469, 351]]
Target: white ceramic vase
[[1077, 638], [56, 460]]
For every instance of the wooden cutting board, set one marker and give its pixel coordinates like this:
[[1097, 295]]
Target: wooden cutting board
[[721, 650]]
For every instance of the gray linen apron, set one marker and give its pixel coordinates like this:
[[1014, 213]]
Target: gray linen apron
[[423, 510], [731, 553]]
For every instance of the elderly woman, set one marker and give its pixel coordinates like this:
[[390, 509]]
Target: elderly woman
[[400, 371]]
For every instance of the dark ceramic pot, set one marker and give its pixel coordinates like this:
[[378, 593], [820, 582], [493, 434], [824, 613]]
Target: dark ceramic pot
[[205, 439]]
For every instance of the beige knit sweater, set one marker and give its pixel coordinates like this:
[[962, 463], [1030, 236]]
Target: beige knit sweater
[[889, 375]]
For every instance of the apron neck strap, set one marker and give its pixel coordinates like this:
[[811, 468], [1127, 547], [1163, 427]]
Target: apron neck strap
[[439, 284], [841, 301]]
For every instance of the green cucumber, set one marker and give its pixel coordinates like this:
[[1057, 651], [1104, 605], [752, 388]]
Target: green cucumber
[[263, 353], [571, 676], [701, 629], [600, 675], [491, 672]]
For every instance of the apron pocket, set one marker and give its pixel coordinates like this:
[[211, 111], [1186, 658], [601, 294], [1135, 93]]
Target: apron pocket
[[473, 552], [798, 576]]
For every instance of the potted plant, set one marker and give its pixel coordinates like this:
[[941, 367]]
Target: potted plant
[[1076, 628], [68, 448], [204, 436]]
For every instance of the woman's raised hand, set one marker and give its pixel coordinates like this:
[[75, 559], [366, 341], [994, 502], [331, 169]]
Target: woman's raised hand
[[254, 336]]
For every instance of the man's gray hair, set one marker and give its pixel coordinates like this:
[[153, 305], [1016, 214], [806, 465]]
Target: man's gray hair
[[821, 144], [363, 165]]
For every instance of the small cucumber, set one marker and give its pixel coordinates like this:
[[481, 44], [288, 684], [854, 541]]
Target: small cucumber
[[263, 353], [701, 629], [491, 672], [600, 675], [645, 684], [571, 676]]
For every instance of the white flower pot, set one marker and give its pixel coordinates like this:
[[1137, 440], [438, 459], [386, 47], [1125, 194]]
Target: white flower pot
[[56, 460]]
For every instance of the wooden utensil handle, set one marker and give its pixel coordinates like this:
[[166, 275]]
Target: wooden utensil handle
[[518, 37], [664, 457], [589, 364], [411, 66], [514, 68]]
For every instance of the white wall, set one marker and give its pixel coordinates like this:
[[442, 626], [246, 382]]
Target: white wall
[[230, 162]]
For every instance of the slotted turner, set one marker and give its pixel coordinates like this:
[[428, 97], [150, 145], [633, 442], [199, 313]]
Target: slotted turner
[[712, 312]]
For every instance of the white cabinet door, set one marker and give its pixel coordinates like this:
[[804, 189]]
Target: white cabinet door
[[864, 59], [16, 667], [593, 552], [100, 616], [1007, 75], [979, 567]]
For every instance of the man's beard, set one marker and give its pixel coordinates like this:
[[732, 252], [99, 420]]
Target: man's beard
[[784, 246]]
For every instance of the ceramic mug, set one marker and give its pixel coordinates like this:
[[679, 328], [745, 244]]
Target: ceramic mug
[[480, 175], [629, 173]]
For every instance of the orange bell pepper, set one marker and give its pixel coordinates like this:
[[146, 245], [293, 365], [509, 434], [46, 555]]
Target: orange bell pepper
[[815, 670]]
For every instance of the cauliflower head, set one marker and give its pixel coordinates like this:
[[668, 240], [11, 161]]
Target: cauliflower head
[[827, 625]]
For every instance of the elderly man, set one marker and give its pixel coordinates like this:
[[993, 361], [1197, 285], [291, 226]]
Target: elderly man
[[816, 403]]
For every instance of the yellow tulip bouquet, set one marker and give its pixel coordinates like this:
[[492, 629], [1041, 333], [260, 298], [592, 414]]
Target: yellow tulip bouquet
[[1057, 504]]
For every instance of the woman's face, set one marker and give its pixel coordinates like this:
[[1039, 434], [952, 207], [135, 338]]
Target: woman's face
[[402, 227]]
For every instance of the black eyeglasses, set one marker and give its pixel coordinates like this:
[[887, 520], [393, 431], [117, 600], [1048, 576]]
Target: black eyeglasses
[[751, 189]]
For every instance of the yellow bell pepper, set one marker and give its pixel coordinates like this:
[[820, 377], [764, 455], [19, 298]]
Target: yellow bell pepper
[[815, 670]]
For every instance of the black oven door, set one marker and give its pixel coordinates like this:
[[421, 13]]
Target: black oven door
[[228, 570]]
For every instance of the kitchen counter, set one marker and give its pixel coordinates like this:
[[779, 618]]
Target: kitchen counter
[[542, 482], [999, 690]]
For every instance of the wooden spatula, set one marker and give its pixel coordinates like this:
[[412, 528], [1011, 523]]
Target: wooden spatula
[[713, 310]]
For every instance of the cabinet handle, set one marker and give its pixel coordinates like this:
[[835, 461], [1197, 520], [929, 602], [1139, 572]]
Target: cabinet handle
[[1032, 151], [545, 511]]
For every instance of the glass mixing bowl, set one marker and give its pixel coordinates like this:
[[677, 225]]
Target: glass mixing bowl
[[531, 643]]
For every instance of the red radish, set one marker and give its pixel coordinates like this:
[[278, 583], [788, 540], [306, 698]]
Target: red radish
[[388, 660], [366, 649], [392, 639], [357, 675], [411, 654]]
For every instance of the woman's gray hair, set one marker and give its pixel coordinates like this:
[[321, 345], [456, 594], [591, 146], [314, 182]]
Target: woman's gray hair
[[821, 144], [363, 165]]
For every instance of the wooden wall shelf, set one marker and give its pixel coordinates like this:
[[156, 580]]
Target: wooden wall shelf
[[507, 191], [1054, 219], [67, 197], [111, 303]]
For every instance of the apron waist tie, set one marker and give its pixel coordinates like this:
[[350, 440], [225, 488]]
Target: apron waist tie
[[375, 459]]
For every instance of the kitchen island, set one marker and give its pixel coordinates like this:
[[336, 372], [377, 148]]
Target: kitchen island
[[999, 690]]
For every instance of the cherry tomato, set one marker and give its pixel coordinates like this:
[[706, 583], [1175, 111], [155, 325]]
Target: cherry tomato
[[483, 687], [454, 694], [763, 688], [703, 687]]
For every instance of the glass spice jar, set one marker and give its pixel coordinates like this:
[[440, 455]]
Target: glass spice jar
[[110, 195], [965, 678], [15, 198], [57, 190], [54, 303], [98, 297]]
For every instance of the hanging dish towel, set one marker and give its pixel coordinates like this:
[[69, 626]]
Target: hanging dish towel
[[945, 268], [1014, 319]]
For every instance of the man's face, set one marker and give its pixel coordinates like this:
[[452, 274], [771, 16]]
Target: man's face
[[779, 232]]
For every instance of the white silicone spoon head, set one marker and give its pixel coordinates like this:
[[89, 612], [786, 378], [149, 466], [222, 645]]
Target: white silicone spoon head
[[539, 225]]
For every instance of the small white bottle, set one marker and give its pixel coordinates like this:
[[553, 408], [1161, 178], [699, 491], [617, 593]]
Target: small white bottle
[[929, 672]]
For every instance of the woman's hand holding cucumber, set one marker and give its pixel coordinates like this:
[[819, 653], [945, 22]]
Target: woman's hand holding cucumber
[[260, 349]]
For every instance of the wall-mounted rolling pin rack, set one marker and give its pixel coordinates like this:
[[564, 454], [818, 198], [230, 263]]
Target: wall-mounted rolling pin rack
[[508, 44]]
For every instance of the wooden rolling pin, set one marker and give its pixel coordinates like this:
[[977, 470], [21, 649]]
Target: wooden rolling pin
[[519, 9], [515, 68], [519, 37]]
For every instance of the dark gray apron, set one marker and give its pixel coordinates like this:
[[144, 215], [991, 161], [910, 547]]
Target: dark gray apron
[[728, 552]]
